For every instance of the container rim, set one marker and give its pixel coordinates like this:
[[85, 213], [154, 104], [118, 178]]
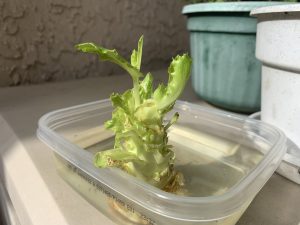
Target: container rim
[[194, 208], [283, 8], [226, 6], [290, 157]]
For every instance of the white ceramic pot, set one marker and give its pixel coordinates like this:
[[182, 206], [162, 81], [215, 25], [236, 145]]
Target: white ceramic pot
[[278, 48]]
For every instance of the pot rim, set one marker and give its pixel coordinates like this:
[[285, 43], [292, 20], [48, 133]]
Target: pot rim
[[276, 9], [226, 6]]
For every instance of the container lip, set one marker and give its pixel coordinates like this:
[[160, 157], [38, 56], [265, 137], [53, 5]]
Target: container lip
[[224, 204], [226, 6], [243, 183], [292, 156], [283, 8]]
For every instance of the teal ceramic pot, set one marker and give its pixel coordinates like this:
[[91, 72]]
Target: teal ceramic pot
[[225, 71]]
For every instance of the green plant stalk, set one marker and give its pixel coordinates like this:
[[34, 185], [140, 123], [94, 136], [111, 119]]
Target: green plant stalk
[[136, 60], [141, 140], [136, 92]]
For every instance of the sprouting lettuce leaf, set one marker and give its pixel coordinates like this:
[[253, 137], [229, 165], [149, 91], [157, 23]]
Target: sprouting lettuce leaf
[[141, 141], [110, 55], [167, 95], [136, 56]]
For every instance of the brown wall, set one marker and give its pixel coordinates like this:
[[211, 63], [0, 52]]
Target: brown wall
[[37, 36]]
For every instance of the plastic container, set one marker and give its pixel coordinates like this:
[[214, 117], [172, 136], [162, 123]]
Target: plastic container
[[225, 160], [222, 38], [290, 165]]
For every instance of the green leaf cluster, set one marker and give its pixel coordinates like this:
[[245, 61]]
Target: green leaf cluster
[[141, 141]]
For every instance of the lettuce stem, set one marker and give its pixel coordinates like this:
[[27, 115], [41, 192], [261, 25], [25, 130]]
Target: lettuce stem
[[136, 94]]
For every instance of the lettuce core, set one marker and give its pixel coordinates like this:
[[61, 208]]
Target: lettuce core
[[141, 141]]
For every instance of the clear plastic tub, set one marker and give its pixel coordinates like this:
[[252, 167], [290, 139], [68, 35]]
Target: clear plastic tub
[[225, 159], [290, 164]]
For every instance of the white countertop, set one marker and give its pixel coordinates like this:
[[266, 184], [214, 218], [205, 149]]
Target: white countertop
[[40, 196]]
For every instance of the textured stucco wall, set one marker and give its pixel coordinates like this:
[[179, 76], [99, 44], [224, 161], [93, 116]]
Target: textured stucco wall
[[37, 36]]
